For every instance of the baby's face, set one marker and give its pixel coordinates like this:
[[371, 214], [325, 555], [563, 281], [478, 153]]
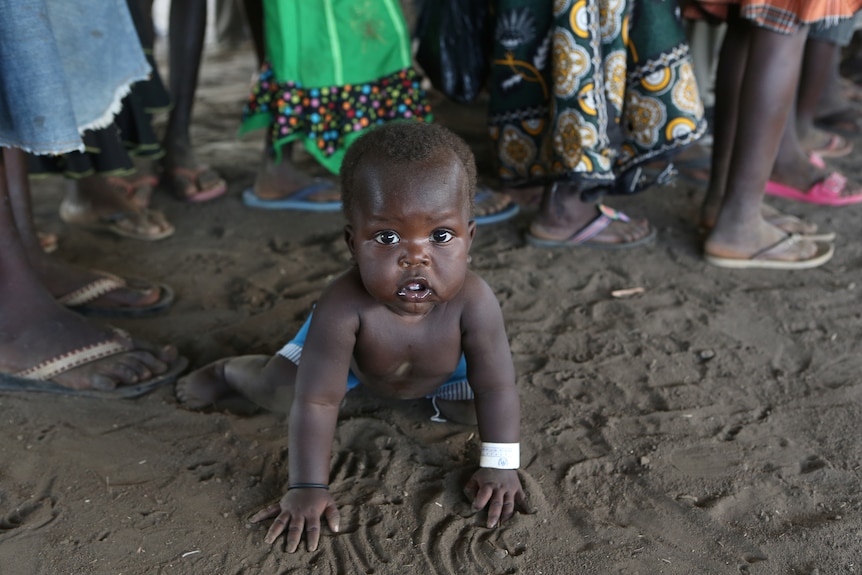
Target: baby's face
[[410, 231]]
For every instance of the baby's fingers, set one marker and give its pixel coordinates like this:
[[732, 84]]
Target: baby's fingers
[[266, 513], [312, 534], [522, 504], [276, 528], [497, 507], [508, 508], [481, 496], [294, 534], [333, 517]]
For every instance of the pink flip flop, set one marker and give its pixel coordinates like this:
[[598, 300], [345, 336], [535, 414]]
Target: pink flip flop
[[826, 192]]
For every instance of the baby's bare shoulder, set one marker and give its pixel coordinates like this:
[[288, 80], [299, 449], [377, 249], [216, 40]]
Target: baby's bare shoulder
[[344, 296], [476, 290]]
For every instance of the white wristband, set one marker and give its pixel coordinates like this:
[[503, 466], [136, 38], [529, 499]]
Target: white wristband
[[500, 455]]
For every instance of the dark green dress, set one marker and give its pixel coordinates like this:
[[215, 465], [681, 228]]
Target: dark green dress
[[589, 91]]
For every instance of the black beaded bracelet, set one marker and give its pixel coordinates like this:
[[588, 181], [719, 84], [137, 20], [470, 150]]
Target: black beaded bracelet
[[308, 486]]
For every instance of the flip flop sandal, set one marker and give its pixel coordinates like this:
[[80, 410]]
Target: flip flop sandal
[[779, 220], [762, 260], [78, 299], [138, 191], [190, 184], [826, 192], [297, 200], [137, 225], [48, 242], [506, 212], [582, 237], [834, 147], [38, 378]]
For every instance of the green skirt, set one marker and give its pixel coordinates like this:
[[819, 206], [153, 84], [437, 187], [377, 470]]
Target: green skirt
[[589, 90], [334, 69]]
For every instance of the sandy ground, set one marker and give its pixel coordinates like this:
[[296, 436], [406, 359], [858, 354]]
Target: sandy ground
[[708, 425]]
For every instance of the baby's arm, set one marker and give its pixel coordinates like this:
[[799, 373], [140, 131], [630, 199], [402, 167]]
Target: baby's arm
[[491, 374], [320, 387]]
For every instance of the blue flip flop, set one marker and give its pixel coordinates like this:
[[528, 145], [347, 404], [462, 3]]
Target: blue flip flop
[[298, 200], [508, 212]]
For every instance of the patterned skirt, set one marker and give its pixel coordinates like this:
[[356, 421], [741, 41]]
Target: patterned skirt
[[782, 16], [335, 68], [589, 91]]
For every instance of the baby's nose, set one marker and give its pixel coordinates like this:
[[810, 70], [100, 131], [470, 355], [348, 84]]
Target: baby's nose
[[414, 256]]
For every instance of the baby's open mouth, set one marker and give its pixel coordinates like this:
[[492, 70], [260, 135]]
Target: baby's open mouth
[[414, 290]]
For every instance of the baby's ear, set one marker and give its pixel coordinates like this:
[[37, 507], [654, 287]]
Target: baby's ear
[[471, 229], [348, 239]]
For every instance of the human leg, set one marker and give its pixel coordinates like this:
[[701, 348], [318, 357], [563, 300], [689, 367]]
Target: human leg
[[35, 328], [731, 66], [60, 278], [254, 17], [770, 65], [835, 109], [185, 177], [819, 65], [265, 380]]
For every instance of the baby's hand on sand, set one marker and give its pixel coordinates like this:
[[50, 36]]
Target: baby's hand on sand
[[300, 510], [499, 489]]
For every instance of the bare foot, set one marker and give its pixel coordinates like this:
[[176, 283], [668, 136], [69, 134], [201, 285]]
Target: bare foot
[[62, 279], [791, 224], [186, 178], [491, 203], [45, 331], [802, 176], [266, 381], [276, 181], [785, 222], [563, 214], [112, 204], [825, 144], [525, 197], [744, 242], [204, 387]]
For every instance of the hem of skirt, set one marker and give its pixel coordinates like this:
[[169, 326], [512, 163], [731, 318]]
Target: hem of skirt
[[119, 172], [116, 105], [55, 149]]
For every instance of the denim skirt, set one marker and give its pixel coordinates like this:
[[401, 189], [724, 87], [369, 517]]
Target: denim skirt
[[64, 68]]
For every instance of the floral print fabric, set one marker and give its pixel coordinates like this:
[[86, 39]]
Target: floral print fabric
[[589, 90]]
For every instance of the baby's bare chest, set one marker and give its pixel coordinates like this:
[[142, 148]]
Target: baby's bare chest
[[409, 354]]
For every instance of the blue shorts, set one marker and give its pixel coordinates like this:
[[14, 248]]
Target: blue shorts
[[455, 388]]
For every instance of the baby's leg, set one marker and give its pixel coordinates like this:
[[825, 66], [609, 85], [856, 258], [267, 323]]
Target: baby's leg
[[461, 411], [265, 380]]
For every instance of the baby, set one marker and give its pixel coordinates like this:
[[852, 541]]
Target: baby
[[407, 320]]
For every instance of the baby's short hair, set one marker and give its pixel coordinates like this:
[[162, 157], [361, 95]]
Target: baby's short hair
[[403, 142]]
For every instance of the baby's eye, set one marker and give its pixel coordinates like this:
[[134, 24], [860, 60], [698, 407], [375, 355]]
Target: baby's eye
[[387, 238], [442, 236]]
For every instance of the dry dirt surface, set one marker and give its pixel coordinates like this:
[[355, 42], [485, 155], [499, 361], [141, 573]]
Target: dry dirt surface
[[708, 425]]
